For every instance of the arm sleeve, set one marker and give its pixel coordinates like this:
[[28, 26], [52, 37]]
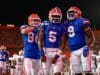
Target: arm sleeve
[[23, 27], [44, 24], [63, 28]]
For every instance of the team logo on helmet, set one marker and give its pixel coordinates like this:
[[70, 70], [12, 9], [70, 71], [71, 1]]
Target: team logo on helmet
[[34, 20], [55, 15]]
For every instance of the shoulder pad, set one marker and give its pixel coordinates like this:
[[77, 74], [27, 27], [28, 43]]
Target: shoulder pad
[[66, 21], [85, 21], [45, 23], [23, 26]]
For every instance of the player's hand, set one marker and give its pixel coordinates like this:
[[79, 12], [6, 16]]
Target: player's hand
[[59, 52], [91, 43], [55, 59], [43, 58], [85, 51]]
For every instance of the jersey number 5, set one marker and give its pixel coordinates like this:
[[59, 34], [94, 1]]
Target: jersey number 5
[[52, 36]]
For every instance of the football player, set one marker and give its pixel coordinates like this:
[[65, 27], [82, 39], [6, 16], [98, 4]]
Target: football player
[[13, 64], [30, 38], [93, 62], [19, 63], [51, 37], [1, 60], [77, 29], [4, 56], [98, 63]]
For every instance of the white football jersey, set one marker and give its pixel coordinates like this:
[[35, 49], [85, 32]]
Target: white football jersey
[[98, 59], [19, 59], [93, 59], [12, 61]]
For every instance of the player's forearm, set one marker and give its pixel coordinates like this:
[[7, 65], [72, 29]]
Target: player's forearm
[[63, 42], [26, 30], [40, 44], [91, 38], [40, 40], [62, 46]]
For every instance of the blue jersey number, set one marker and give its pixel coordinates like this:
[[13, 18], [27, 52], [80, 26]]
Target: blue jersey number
[[52, 36], [71, 31], [32, 37]]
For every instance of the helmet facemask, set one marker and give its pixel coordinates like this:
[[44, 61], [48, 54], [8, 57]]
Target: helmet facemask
[[71, 15], [35, 22], [73, 12], [55, 18], [55, 15]]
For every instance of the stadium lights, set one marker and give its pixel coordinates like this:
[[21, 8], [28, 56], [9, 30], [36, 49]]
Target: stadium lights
[[10, 25]]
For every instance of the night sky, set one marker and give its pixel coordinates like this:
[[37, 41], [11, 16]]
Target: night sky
[[17, 11]]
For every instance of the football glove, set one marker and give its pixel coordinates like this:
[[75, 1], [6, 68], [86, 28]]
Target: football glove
[[43, 57], [55, 59], [85, 51]]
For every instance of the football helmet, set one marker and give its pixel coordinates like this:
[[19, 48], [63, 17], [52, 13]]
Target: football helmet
[[34, 20], [73, 12], [3, 47], [14, 55], [55, 15]]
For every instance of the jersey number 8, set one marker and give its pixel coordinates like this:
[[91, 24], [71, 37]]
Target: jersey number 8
[[32, 37]]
